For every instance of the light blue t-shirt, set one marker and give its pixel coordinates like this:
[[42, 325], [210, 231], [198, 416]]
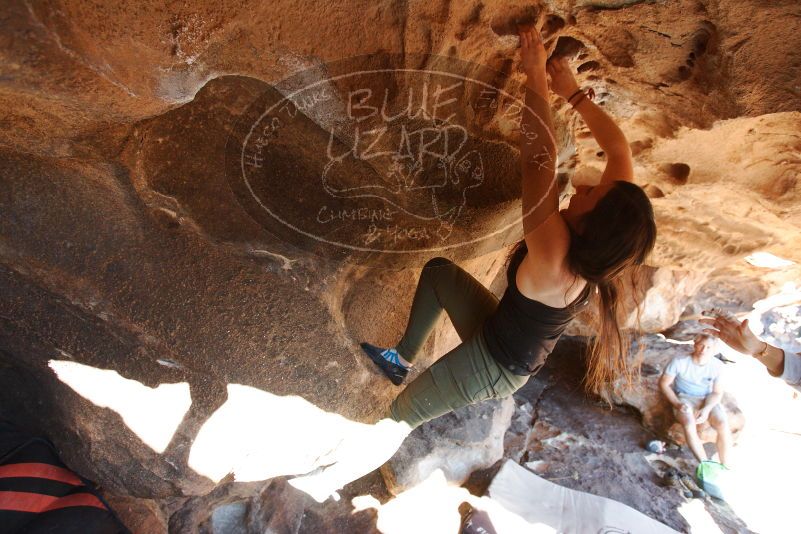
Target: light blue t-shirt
[[693, 379]]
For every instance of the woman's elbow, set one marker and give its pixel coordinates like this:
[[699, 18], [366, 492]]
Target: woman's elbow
[[620, 150]]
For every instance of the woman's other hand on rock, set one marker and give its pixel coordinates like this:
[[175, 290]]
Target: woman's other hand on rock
[[533, 55], [562, 81]]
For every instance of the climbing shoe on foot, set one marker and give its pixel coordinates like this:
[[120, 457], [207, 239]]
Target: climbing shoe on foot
[[395, 372]]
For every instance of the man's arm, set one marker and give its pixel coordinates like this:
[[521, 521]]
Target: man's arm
[[665, 385]]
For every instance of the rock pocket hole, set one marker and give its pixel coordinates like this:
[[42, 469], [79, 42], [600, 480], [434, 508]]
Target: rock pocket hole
[[702, 37], [507, 23], [640, 145], [653, 191], [589, 66], [568, 47], [553, 25], [474, 15], [679, 172]]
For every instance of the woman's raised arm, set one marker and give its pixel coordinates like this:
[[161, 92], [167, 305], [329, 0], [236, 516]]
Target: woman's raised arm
[[540, 195], [546, 234], [619, 164]]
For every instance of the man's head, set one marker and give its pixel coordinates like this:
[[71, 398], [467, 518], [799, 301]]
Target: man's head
[[704, 346]]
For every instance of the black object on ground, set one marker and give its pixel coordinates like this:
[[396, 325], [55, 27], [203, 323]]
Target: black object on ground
[[41, 495]]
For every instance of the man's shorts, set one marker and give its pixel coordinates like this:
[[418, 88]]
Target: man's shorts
[[696, 403]]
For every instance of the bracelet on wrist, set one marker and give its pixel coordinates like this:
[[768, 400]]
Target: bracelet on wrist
[[579, 90], [578, 100], [590, 93], [763, 352]]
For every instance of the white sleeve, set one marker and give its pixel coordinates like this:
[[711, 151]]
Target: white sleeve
[[792, 369]]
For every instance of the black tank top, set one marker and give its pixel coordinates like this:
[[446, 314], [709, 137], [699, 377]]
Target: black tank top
[[522, 332]]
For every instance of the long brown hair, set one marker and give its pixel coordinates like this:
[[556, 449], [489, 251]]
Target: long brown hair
[[618, 234]]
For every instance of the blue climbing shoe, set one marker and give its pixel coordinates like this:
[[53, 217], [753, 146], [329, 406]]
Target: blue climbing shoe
[[395, 372]]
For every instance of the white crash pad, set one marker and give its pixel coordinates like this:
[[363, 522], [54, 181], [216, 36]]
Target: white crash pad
[[544, 505]]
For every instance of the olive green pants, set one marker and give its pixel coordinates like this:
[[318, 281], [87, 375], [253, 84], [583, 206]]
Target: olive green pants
[[467, 374]]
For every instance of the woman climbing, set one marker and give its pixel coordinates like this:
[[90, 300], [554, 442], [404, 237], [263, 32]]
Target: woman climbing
[[565, 256]]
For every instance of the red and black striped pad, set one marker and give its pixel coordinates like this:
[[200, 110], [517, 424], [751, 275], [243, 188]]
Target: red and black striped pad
[[39, 494]]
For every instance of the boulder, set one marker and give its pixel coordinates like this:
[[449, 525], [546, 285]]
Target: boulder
[[139, 515], [457, 443]]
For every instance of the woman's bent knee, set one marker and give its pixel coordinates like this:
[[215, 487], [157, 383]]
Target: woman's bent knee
[[390, 413], [437, 262]]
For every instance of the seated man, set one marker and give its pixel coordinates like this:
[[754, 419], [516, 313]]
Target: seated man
[[694, 386]]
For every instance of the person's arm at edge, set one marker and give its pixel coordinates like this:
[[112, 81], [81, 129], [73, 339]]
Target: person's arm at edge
[[781, 364], [789, 368], [739, 336], [771, 357]]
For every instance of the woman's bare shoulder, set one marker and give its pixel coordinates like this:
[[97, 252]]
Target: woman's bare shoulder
[[544, 274], [549, 243]]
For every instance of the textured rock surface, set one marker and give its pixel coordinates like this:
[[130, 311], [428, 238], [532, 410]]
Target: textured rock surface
[[139, 515], [467, 440], [123, 247]]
